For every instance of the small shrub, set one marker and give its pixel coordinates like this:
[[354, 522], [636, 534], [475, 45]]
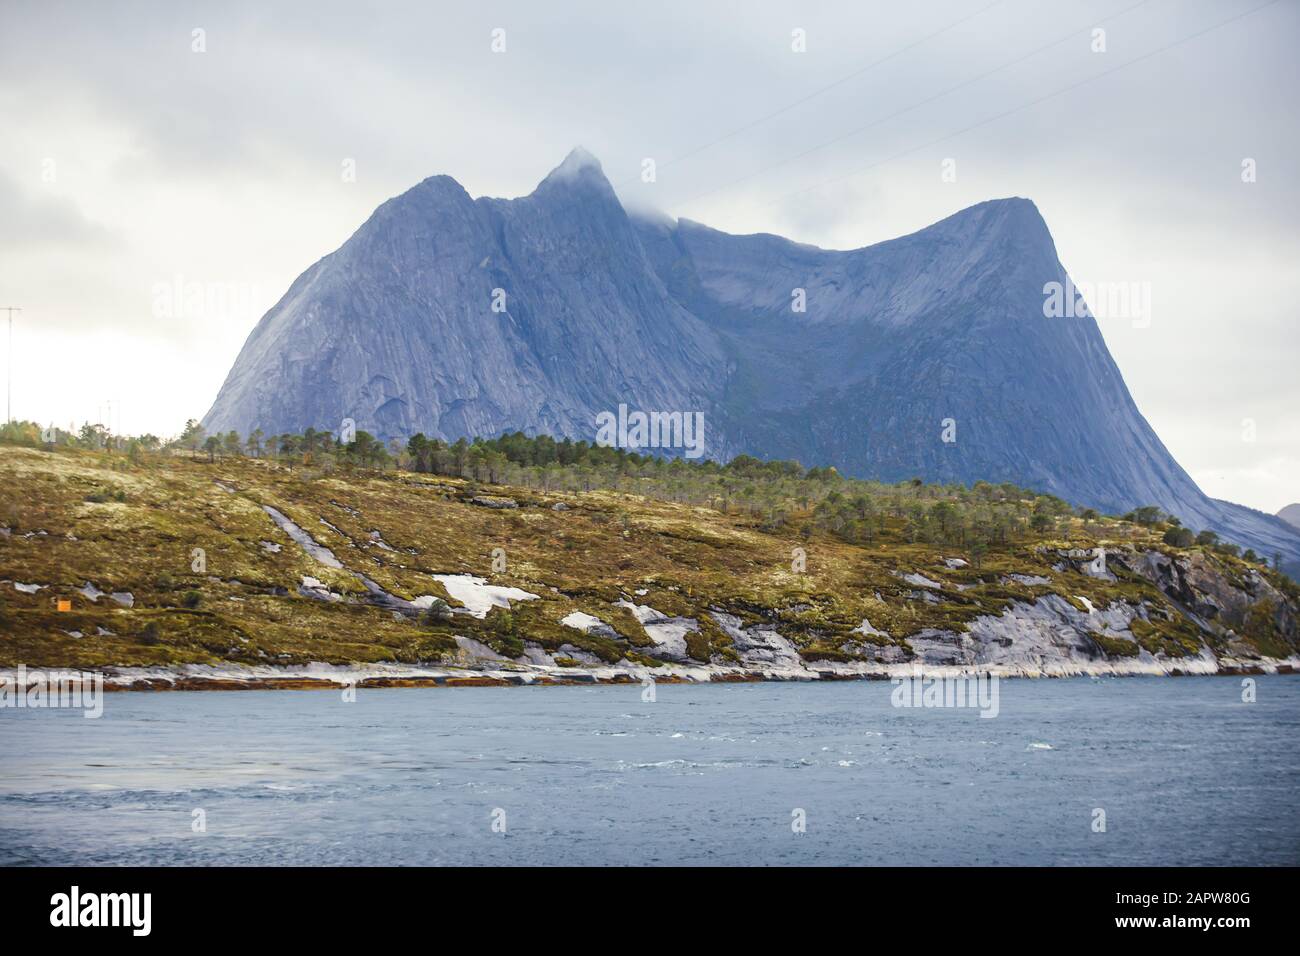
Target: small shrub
[[102, 496], [439, 612]]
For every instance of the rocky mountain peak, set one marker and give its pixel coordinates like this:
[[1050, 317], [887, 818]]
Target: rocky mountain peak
[[579, 170]]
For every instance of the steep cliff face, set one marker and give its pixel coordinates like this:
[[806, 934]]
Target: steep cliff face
[[397, 330], [945, 324], [865, 359], [940, 330]]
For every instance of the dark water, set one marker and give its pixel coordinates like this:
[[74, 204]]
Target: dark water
[[1186, 772]]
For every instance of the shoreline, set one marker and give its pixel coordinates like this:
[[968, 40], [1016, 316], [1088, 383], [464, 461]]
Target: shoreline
[[204, 677]]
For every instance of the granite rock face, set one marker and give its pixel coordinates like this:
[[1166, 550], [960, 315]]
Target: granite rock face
[[463, 317], [455, 316], [1217, 602]]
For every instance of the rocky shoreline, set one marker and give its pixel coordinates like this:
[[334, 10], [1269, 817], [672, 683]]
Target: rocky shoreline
[[333, 677]]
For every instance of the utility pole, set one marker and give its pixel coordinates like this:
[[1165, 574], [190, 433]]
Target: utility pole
[[9, 379]]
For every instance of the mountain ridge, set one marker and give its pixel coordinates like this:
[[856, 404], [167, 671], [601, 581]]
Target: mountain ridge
[[1290, 514]]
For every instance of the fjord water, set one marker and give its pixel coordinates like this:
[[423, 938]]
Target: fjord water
[[1186, 772]]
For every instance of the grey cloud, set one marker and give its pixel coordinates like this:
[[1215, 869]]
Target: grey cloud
[[28, 220]]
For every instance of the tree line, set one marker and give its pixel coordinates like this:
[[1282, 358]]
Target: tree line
[[779, 494]]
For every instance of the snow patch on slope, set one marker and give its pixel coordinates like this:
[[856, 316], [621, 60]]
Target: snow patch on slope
[[478, 596]]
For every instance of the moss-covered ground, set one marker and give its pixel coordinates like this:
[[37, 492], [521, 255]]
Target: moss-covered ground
[[75, 517]]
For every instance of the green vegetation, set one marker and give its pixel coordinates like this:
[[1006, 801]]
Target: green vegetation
[[1174, 638], [1116, 646], [806, 550]]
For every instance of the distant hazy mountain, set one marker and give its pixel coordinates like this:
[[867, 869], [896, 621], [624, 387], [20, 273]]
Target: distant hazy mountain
[[1291, 515], [894, 343]]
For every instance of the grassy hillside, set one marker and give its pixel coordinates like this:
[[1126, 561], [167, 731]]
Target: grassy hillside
[[73, 517]]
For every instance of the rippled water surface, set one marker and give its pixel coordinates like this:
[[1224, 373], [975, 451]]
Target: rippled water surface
[[1186, 773]]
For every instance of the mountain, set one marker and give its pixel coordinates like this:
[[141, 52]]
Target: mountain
[[396, 329], [1291, 515], [896, 343]]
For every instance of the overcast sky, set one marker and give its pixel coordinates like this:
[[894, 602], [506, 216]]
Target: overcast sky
[[132, 163]]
